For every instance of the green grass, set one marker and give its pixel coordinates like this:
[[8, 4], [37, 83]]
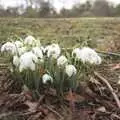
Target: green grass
[[68, 32]]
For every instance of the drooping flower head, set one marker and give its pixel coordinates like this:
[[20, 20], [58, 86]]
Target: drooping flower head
[[70, 70], [62, 61], [18, 44], [53, 50], [38, 52], [46, 78], [9, 47], [27, 61], [22, 50], [76, 53], [89, 55]]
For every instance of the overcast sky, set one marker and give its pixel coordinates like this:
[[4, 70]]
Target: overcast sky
[[57, 3]]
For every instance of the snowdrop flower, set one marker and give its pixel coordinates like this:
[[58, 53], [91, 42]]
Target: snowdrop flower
[[29, 40], [76, 53], [16, 61], [48, 47], [18, 44], [53, 51], [9, 47], [27, 61], [38, 52], [46, 78], [62, 60], [70, 70], [89, 55]]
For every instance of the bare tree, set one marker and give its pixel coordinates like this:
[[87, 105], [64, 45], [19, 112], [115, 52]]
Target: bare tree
[[101, 8]]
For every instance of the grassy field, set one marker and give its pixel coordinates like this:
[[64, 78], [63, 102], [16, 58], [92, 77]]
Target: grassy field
[[68, 32]]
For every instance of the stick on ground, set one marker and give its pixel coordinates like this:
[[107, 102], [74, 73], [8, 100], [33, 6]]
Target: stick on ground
[[110, 88]]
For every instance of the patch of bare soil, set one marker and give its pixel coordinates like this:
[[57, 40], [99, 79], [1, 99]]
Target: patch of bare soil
[[96, 99]]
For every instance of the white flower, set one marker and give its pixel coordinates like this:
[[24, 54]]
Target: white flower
[[70, 70], [76, 53], [38, 52], [9, 47], [29, 40], [18, 44], [62, 60], [16, 61], [27, 61], [53, 51], [45, 50], [46, 78], [89, 55]]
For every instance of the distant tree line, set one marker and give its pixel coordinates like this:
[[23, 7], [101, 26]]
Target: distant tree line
[[42, 9]]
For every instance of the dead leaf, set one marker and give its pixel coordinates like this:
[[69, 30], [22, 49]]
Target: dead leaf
[[75, 97], [116, 66]]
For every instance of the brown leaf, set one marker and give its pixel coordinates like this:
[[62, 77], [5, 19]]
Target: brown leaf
[[74, 97], [116, 66], [42, 71]]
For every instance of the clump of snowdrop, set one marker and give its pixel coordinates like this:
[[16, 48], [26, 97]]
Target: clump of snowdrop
[[62, 61], [46, 78], [31, 61], [27, 61], [53, 51], [13, 48], [89, 55], [9, 47], [70, 70]]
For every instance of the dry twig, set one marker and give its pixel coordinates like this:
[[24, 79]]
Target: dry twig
[[110, 88]]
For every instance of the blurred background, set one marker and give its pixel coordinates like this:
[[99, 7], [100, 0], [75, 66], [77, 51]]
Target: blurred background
[[59, 8], [93, 23]]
